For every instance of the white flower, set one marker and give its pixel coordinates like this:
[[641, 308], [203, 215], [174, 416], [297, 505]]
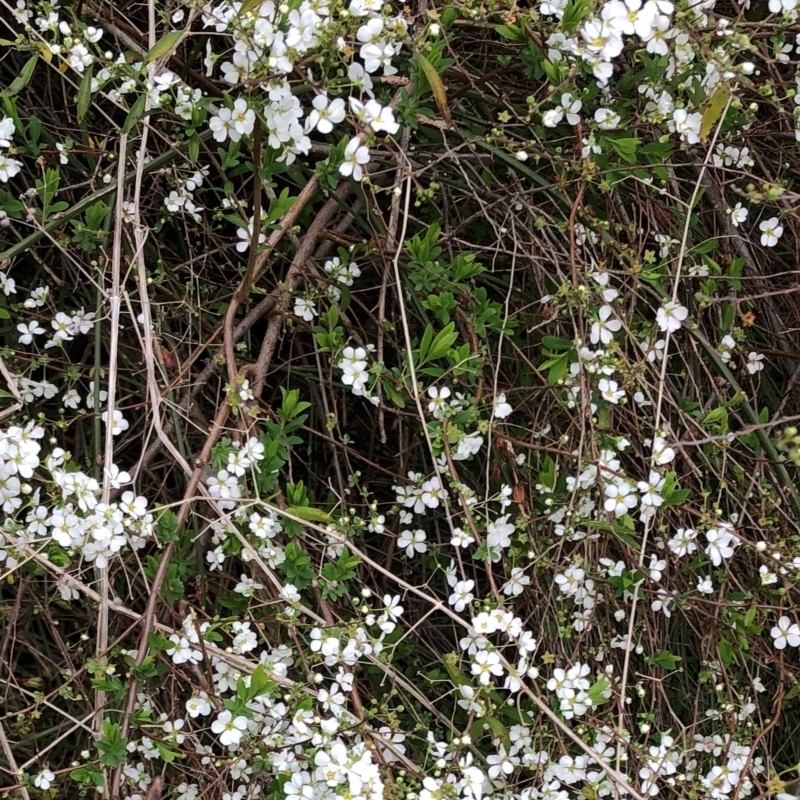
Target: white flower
[[7, 130], [601, 40], [721, 544], [246, 237], [245, 395], [433, 493], [738, 214], [462, 595], [501, 408], [782, 6], [687, 125], [610, 391], [117, 477], [71, 398], [118, 422], [461, 538], [198, 706], [620, 498], [705, 586], [498, 533], [228, 728], [755, 362], [326, 114], [27, 332], [392, 607], [355, 156], [412, 542], [785, 632], [247, 586], [726, 346], [516, 583], [182, 651], [9, 167], [604, 329], [80, 57], [305, 309], [671, 316], [568, 107], [438, 401], [468, 446], [767, 577], [662, 454], [44, 779], [771, 231], [486, 664], [607, 119], [683, 543], [220, 124], [651, 490]]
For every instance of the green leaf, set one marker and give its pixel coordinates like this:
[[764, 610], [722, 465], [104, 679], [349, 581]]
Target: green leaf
[[511, 32], [553, 72], [112, 746], [792, 693], [87, 775], [557, 344], [193, 148], [167, 755], [495, 726], [279, 206], [664, 659], [21, 81], [424, 345], [435, 82], [557, 366], [677, 497], [309, 514], [260, 683], [715, 109], [134, 115], [163, 46], [393, 395], [442, 343], [573, 14], [85, 94], [625, 148], [717, 415], [448, 17], [597, 690]]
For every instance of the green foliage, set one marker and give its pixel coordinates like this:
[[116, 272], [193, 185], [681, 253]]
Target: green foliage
[[112, 746], [297, 567]]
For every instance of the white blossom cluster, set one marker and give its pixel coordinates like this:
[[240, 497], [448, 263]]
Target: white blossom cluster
[[74, 517], [9, 167]]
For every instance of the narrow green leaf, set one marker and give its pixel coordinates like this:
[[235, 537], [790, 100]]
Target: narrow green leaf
[[443, 342], [21, 81], [134, 115], [163, 46], [85, 94], [436, 84], [714, 110], [193, 149], [424, 345], [308, 514], [511, 32]]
